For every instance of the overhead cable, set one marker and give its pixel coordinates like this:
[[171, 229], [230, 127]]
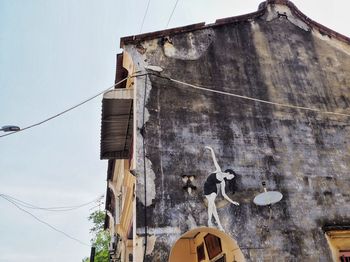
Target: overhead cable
[[67, 110], [144, 16], [44, 222], [144, 169], [252, 99], [53, 209], [172, 12], [190, 85]]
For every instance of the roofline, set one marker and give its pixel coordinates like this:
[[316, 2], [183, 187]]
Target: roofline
[[323, 30], [152, 35], [135, 39]]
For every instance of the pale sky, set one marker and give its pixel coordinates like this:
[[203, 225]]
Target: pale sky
[[54, 54]]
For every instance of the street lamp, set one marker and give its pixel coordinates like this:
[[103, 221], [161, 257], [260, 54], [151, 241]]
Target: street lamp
[[10, 128]]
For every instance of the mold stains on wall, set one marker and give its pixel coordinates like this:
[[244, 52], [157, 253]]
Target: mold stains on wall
[[190, 46], [304, 155]]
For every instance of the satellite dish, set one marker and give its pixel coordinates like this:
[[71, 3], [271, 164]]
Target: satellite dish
[[267, 197]]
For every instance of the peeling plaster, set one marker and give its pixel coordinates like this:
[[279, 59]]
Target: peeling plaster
[[142, 116], [192, 47], [150, 184], [340, 45], [154, 68], [151, 241], [159, 230], [276, 10]]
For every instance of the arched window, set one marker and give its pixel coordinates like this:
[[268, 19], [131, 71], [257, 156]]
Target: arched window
[[205, 244]]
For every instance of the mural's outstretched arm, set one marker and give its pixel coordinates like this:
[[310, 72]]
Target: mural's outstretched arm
[[223, 192], [218, 169]]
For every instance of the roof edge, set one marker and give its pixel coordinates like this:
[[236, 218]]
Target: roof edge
[[323, 30], [156, 34], [193, 27]]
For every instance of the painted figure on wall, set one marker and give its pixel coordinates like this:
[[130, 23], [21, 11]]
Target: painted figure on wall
[[217, 177]]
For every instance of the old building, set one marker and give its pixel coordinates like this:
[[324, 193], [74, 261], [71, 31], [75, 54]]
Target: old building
[[269, 92]]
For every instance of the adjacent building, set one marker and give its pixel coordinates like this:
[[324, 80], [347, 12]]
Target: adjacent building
[[269, 93]]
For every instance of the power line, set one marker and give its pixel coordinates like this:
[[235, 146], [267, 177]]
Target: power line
[[144, 16], [54, 209], [44, 222], [67, 110], [144, 170], [172, 12], [186, 84], [251, 98]]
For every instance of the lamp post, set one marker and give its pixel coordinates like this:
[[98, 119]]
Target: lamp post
[[10, 128]]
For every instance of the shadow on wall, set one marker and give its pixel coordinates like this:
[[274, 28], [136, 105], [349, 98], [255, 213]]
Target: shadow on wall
[[206, 244]]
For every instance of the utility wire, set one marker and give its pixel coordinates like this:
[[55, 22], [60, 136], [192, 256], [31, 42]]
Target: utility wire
[[144, 168], [144, 16], [67, 110], [44, 222], [172, 12], [54, 209], [190, 85], [253, 99]]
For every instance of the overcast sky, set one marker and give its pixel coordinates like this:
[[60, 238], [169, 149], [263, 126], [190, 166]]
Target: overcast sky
[[54, 54]]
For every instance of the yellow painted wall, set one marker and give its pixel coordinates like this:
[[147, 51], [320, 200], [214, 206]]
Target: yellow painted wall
[[338, 240], [185, 249], [123, 183]]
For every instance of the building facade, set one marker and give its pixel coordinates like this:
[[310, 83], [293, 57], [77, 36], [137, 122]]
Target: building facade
[[265, 95]]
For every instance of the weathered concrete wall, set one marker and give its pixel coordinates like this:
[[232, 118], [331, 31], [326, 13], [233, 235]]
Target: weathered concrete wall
[[303, 154]]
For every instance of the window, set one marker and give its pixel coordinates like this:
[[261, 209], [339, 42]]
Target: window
[[344, 255], [213, 244], [200, 253]]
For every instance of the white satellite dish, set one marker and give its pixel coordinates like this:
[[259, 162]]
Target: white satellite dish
[[267, 197]]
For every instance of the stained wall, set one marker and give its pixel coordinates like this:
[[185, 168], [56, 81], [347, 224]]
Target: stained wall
[[304, 154]]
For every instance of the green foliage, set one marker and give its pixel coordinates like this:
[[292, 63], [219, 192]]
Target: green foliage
[[101, 244], [101, 237]]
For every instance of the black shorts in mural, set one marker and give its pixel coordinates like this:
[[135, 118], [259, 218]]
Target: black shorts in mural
[[210, 184]]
